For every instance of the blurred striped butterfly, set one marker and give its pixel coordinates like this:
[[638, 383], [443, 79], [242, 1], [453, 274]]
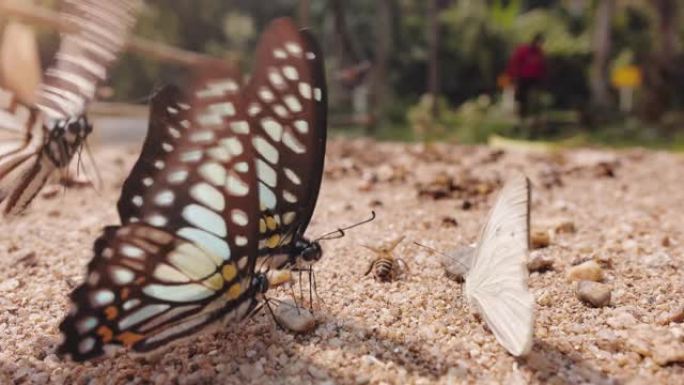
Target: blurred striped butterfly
[[39, 139], [496, 282]]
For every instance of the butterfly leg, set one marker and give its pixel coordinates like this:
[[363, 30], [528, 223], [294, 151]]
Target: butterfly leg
[[315, 288]]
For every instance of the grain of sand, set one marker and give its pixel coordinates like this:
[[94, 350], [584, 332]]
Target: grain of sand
[[626, 207]]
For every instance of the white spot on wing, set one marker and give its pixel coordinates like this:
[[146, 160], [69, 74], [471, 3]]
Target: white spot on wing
[[178, 293], [293, 48], [293, 144], [239, 217], [236, 187], [213, 173], [240, 127], [292, 176], [141, 315], [302, 126], [233, 145], [266, 196], [164, 198], [213, 245], [291, 73], [272, 128], [101, 298], [177, 177], [131, 251], [208, 195], [293, 103], [121, 275], [265, 149], [266, 173], [205, 219]]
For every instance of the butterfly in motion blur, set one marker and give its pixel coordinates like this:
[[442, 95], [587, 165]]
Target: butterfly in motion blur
[[496, 282], [216, 169], [43, 137]]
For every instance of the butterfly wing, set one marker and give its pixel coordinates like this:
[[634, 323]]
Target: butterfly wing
[[170, 123], [185, 256], [497, 282], [286, 101], [21, 137], [84, 57]]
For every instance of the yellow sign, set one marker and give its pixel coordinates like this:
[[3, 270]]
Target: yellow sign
[[626, 77]]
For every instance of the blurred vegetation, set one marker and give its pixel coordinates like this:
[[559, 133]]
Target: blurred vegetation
[[378, 59]]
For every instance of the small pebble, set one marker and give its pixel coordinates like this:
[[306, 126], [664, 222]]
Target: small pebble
[[540, 239], [456, 263], [659, 344], [279, 277], [586, 271], [621, 320], [666, 241], [676, 315], [565, 227], [9, 285], [593, 293], [539, 263], [296, 319], [668, 353]]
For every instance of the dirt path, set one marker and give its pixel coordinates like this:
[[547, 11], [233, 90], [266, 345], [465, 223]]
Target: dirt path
[[626, 208]]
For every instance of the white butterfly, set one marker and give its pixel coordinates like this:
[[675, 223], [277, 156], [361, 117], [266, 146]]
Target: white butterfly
[[496, 284]]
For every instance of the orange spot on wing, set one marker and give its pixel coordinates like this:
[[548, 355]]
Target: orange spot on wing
[[229, 272], [273, 241], [234, 291], [111, 312], [124, 293], [128, 339], [105, 333]]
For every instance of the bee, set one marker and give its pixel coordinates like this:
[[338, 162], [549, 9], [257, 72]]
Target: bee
[[386, 267]]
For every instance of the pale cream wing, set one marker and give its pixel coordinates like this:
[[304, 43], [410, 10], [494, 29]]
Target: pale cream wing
[[497, 282]]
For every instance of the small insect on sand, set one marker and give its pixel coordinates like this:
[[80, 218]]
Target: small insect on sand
[[386, 267]]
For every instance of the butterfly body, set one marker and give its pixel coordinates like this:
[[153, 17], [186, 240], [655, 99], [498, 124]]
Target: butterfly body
[[65, 139]]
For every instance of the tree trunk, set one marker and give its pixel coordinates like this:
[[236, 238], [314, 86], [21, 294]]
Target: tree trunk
[[660, 73], [383, 41], [433, 67], [304, 13], [348, 53], [602, 44]]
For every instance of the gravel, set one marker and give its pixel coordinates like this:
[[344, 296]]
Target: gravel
[[417, 330]]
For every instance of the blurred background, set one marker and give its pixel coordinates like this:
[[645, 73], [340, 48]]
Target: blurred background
[[613, 70]]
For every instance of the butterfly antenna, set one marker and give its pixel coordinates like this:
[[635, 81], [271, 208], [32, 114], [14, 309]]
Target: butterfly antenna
[[441, 253], [339, 233]]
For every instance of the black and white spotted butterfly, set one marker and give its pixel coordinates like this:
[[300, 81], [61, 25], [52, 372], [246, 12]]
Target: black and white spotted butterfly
[[192, 207], [184, 255], [43, 138]]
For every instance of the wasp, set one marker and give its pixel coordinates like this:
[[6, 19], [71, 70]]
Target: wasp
[[386, 267]]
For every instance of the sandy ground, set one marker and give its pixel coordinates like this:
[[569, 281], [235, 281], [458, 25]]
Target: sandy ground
[[626, 208]]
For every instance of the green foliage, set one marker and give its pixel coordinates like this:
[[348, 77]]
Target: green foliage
[[558, 40]]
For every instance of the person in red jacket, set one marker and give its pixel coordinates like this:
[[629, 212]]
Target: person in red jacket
[[527, 69]]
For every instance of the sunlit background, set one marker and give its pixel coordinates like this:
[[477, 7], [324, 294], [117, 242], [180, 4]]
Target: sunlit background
[[436, 69]]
